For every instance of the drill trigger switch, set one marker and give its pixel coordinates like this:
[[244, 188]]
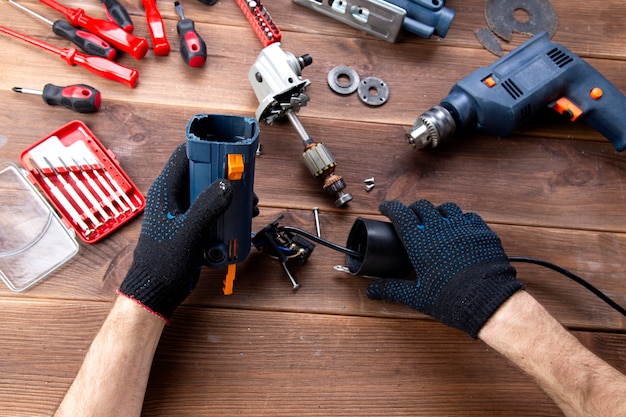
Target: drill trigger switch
[[234, 166], [565, 107], [489, 81]]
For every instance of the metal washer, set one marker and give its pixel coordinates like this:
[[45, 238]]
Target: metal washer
[[381, 91], [334, 82]]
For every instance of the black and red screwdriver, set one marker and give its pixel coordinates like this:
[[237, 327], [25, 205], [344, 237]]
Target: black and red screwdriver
[[192, 46], [160, 45], [109, 31], [102, 67], [88, 42], [118, 14], [80, 98]]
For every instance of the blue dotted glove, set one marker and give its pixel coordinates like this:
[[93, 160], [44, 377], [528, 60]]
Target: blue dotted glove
[[463, 274], [168, 256]]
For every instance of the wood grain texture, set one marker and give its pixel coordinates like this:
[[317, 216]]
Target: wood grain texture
[[553, 190], [216, 362]]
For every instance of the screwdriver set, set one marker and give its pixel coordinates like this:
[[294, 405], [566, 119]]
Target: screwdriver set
[[83, 181]]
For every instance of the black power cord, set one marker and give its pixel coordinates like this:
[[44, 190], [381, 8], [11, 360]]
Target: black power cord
[[572, 276], [522, 259]]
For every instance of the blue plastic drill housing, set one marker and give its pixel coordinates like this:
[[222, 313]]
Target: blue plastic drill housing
[[224, 147]]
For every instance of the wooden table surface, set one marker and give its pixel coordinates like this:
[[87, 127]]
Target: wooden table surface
[[554, 190]]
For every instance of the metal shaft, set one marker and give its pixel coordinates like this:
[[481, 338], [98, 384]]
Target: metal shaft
[[108, 188], [30, 12], [62, 200], [72, 192], [94, 186], [86, 192], [119, 189]]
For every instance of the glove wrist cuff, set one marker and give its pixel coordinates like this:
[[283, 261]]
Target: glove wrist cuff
[[471, 298], [138, 286]]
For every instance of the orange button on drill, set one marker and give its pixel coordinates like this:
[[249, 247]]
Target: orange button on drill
[[489, 81], [567, 108], [234, 166]]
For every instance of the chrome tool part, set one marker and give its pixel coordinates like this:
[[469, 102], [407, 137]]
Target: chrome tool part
[[72, 192], [106, 185], [85, 191], [343, 80], [430, 128], [94, 186], [276, 78], [62, 200], [373, 91], [316, 212], [280, 89], [376, 17]]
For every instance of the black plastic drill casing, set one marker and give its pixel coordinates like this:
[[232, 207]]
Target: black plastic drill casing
[[224, 147], [531, 77]]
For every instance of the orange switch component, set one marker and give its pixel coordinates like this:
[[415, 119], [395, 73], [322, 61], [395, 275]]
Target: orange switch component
[[234, 166], [567, 108], [230, 279], [596, 93], [489, 82]]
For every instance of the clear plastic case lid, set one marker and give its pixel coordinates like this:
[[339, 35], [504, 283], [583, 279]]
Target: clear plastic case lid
[[33, 240]]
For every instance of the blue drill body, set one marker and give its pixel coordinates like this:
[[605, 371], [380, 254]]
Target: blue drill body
[[502, 97], [425, 17], [217, 145]]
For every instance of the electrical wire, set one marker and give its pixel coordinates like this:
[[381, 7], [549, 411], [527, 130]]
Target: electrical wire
[[328, 244], [522, 259], [572, 276]]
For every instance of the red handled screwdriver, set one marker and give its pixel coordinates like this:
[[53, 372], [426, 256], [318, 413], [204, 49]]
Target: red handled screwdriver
[[109, 31], [118, 14], [86, 41], [192, 46], [97, 65], [160, 45], [80, 98]]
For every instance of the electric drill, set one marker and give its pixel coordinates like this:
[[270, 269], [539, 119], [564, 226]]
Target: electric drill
[[500, 98], [224, 146]]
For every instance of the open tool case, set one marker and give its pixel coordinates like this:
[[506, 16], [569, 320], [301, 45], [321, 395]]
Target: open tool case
[[90, 193]]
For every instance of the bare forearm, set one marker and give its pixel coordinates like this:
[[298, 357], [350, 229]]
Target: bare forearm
[[579, 382], [113, 378]]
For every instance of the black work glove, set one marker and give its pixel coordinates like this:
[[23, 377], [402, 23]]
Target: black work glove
[[463, 274], [167, 259]]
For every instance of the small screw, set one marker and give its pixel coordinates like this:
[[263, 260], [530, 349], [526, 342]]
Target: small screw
[[316, 212], [369, 187], [369, 180]]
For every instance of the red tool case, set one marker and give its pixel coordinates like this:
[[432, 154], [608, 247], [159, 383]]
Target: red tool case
[[86, 187]]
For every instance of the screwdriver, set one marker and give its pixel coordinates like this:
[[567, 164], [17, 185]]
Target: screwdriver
[[160, 45], [80, 98], [98, 65], [62, 200], [118, 14], [109, 31], [192, 46], [86, 41]]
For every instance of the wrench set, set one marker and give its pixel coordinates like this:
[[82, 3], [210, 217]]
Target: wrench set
[[83, 181]]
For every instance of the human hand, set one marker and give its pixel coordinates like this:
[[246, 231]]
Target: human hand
[[167, 259], [463, 274]]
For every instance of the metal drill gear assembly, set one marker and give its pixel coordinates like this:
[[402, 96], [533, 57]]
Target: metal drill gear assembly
[[281, 91]]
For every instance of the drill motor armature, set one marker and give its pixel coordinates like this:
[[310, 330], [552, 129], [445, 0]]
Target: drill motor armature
[[502, 97], [223, 146], [280, 89]]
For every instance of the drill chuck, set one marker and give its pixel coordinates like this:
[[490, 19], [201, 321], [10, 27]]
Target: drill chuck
[[431, 128]]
